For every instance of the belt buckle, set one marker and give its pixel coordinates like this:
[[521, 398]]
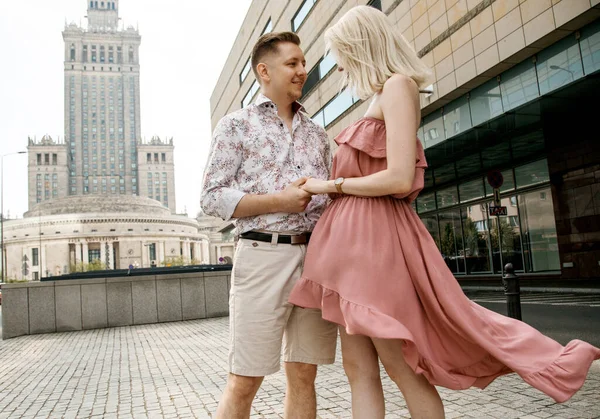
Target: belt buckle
[[298, 239]]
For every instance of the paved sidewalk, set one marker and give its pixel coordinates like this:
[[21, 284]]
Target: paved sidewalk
[[177, 370]]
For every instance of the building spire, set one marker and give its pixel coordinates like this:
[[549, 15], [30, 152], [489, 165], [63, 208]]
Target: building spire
[[103, 16]]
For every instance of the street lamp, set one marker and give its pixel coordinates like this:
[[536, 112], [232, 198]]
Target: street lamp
[[3, 254]]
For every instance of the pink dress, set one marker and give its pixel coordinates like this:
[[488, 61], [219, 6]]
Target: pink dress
[[372, 267]]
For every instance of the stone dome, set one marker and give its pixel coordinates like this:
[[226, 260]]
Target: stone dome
[[102, 204]]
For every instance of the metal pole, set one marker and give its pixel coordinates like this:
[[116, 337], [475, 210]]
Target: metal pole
[[512, 290], [500, 244]]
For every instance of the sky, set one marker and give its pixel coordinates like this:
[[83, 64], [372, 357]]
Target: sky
[[185, 44]]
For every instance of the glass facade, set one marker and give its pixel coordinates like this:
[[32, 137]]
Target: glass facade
[[474, 243]]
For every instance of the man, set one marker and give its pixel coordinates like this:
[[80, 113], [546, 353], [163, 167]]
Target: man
[[260, 157]]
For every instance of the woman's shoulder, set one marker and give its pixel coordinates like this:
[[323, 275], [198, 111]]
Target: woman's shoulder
[[398, 83]]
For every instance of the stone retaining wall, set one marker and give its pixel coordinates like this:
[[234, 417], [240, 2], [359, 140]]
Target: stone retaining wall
[[80, 304]]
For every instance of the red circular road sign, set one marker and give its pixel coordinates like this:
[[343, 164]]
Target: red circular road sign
[[495, 179]]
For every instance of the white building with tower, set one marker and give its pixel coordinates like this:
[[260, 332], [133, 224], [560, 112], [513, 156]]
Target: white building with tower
[[102, 193]]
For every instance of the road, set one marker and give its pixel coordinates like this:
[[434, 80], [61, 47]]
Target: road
[[562, 317]]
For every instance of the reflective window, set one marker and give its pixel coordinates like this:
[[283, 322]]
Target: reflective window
[[245, 71], [485, 102], [468, 166], [472, 190], [318, 118], [251, 92], [540, 243], [447, 197], [431, 224], [426, 202], [375, 3], [559, 65], [451, 243], [457, 117], [507, 185], [532, 173], [301, 14], [337, 106], [433, 127], [518, 85], [590, 47], [476, 239], [444, 174], [320, 70], [326, 64], [268, 27], [505, 232]]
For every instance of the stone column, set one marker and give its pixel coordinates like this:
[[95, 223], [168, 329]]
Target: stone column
[[205, 252], [160, 253], [86, 255], [43, 261], [110, 257], [186, 250], [103, 255]]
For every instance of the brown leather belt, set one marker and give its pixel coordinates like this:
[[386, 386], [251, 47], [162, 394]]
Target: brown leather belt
[[302, 238]]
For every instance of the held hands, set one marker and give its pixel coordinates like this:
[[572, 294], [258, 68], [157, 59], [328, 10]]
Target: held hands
[[317, 186], [294, 198]]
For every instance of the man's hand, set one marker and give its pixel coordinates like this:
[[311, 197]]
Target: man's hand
[[294, 198], [317, 186]]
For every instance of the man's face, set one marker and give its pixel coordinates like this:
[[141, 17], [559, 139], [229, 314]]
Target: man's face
[[287, 70]]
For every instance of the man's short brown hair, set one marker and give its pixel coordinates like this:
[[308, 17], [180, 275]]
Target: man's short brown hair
[[267, 44]]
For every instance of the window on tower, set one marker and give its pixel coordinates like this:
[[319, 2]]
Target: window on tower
[[110, 55], [163, 157], [93, 53], [149, 159], [91, 5], [84, 55], [72, 52], [131, 55], [119, 55], [102, 53]]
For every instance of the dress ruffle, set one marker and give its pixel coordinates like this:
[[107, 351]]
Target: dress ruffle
[[560, 380]]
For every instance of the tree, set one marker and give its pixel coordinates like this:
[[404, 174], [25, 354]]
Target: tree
[[174, 261], [448, 245], [509, 236]]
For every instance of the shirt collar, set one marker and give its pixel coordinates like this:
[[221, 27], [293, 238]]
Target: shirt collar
[[262, 100]]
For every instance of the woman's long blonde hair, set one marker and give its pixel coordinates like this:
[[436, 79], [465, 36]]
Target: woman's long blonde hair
[[370, 51]]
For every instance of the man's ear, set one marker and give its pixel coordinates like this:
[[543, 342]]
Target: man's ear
[[263, 72]]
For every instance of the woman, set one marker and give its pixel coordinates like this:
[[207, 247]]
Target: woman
[[373, 268]]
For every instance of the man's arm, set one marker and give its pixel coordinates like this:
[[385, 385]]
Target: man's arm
[[220, 200], [291, 199]]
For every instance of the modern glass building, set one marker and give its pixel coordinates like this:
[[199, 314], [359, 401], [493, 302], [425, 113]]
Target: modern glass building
[[515, 90]]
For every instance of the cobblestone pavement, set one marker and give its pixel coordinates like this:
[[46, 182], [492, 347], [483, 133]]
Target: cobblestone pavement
[[177, 370]]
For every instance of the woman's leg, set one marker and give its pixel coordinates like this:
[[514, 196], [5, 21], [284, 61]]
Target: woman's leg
[[421, 397], [362, 369]]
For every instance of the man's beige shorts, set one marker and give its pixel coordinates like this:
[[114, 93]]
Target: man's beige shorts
[[260, 316]]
